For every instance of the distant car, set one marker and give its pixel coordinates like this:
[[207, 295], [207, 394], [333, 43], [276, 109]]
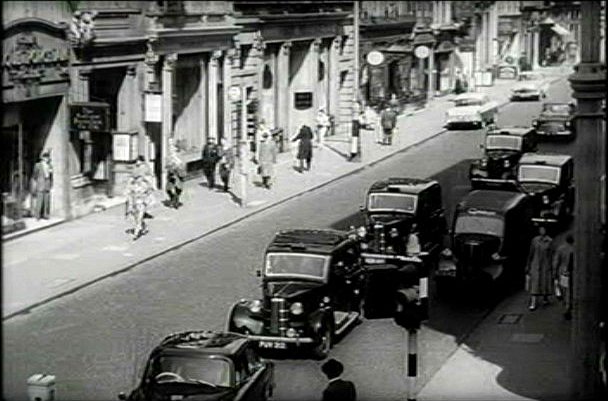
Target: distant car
[[556, 120], [503, 148], [530, 86], [490, 237], [548, 179], [471, 109], [204, 365], [312, 291]]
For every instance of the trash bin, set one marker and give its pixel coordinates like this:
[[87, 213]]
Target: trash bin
[[41, 387]]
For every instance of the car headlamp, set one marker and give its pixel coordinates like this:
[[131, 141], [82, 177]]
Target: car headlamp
[[361, 232], [545, 199], [484, 162], [394, 232], [291, 332], [507, 164], [495, 256], [296, 308], [255, 306]]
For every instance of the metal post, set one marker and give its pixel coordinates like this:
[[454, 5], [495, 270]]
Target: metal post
[[412, 363], [242, 150], [356, 51]]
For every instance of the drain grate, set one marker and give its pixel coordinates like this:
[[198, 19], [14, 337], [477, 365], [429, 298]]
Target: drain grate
[[510, 318]]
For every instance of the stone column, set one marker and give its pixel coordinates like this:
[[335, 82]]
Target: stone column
[[535, 48], [167, 104], [203, 95], [283, 93], [150, 84], [212, 94], [431, 74], [227, 78], [84, 76], [314, 52], [334, 76]]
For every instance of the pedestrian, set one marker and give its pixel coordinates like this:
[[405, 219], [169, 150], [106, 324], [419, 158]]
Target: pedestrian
[[42, 183], [142, 168], [211, 155], [226, 166], [305, 137], [267, 157], [323, 125], [563, 267], [539, 268], [413, 242], [358, 124], [175, 177], [394, 103], [388, 119], [337, 389], [138, 198]]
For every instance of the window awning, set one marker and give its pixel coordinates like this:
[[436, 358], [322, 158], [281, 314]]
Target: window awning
[[560, 30]]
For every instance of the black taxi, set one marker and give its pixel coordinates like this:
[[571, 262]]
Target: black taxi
[[503, 148], [396, 207], [204, 365], [556, 120], [312, 289], [548, 179], [490, 237]]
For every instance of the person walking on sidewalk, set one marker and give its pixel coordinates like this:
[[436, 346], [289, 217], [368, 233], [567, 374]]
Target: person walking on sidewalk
[[323, 125], [305, 137], [42, 182], [388, 119], [337, 389], [267, 157], [210, 157], [539, 278], [226, 166], [563, 267], [175, 177], [138, 193]]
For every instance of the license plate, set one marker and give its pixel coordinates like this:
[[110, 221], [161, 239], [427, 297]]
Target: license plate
[[273, 344]]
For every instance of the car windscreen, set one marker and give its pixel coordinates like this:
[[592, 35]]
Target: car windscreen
[[536, 173], [557, 108], [199, 370], [392, 202], [296, 265], [468, 102], [506, 142], [479, 224], [551, 126]]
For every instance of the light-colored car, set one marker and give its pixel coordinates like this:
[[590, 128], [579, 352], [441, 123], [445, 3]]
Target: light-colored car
[[530, 86], [471, 109]]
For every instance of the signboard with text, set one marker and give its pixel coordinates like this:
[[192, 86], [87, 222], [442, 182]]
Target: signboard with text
[[90, 116], [153, 108]]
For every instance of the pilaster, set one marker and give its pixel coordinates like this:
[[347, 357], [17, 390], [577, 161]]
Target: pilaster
[[283, 86], [315, 52], [212, 93], [167, 104]]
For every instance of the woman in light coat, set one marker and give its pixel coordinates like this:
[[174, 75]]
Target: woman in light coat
[[539, 272], [267, 157]]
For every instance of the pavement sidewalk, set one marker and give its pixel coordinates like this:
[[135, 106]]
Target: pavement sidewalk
[[59, 260], [513, 354]]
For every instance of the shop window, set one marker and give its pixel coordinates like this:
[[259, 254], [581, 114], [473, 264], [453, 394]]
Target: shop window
[[267, 77]]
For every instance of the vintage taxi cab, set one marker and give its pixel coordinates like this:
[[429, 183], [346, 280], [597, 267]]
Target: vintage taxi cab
[[471, 109], [204, 365], [394, 206], [531, 85], [503, 148], [548, 179], [556, 120], [312, 292], [490, 236]]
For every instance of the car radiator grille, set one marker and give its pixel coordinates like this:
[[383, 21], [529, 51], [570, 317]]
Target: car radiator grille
[[278, 316]]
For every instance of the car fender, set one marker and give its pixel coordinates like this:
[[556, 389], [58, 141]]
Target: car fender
[[318, 319], [240, 319]]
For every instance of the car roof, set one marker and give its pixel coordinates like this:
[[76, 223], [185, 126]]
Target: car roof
[[205, 342], [511, 130], [402, 185], [551, 159], [470, 95], [323, 241], [492, 200]]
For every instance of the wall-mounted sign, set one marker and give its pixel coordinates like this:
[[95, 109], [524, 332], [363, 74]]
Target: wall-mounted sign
[[90, 116], [375, 57], [234, 93], [153, 108], [124, 146], [422, 51], [303, 100]]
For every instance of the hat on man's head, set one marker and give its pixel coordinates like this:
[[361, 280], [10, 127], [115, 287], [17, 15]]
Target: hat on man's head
[[332, 368], [265, 135]]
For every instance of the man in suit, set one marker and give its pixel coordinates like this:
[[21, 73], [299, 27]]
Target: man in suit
[[42, 178], [337, 389], [563, 266], [211, 155]]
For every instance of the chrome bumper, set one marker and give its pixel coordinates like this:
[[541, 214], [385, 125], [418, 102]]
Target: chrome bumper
[[544, 220], [291, 340]]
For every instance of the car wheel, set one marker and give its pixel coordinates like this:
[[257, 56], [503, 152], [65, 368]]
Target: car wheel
[[322, 348], [268, 392]]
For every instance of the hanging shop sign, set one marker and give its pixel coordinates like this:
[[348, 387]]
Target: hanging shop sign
[[375, 57], [422, 51], [124, 146], [90, 116], [153, 107]]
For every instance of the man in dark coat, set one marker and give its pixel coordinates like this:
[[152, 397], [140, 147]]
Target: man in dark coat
[[388, 120], [337, 389], [42, 182], [539, 269], [211, 155], [226, 166], [305, 137], [563, 266]]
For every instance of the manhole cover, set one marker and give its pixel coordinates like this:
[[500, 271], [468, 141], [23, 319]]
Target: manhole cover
[[529, 338], [510, 318]]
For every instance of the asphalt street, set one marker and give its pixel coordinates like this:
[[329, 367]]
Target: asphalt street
[[96, 340]]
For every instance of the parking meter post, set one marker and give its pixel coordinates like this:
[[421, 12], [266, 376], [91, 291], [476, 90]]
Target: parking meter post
[[412, 363]]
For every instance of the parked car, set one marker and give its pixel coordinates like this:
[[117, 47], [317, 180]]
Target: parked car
[[531, 85], [312, 291], [471, 109], [556, 120], [503, 148], [490, 238], [204, 365], [394, 205], [548, 179]]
